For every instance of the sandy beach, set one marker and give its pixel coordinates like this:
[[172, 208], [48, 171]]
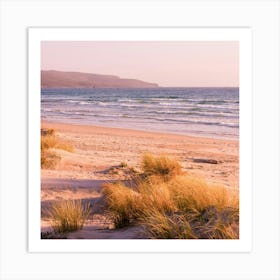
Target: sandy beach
[[100, 154]]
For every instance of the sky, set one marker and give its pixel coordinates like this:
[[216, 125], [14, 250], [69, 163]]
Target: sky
[[169, 64]]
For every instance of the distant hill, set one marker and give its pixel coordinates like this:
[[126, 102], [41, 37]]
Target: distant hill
[[60, 79]]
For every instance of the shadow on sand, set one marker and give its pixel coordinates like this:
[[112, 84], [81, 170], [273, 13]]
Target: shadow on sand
[[62, 183]]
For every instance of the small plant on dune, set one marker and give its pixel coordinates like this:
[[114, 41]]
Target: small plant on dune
[[68, 215], [161, 166], [49, 141]]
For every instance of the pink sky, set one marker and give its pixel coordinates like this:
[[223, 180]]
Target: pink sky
[[181, 64]]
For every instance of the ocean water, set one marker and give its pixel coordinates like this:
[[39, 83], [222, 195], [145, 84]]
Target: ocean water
[[209, 112]]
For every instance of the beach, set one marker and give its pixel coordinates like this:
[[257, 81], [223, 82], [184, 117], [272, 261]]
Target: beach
[[103, 154]]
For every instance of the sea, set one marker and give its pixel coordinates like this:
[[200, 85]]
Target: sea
[[206, 112]]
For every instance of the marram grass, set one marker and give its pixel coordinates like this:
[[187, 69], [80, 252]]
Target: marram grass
[[123, 203], [162, 166], [49, 143], [68, 215], [177, 206]]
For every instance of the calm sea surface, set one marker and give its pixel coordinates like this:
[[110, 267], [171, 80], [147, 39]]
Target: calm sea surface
[[211, 112]]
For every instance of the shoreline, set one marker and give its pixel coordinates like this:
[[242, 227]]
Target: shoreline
[[101, 127]]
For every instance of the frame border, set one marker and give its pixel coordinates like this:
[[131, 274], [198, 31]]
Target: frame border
[[243, 35]]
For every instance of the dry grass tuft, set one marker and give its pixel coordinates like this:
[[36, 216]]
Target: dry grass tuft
[[47, 131], [191, 193], [49, 141], [155, 195], [49, 159], [161, 166], [68, 215], [160, 225], [122, 203], [180, 225]]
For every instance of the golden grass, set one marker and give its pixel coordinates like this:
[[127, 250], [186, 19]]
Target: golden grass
[[47, 131], [68, 215], [161, 166], [49, 141], [160, 225], [122, 202], [181, 207], [190, 193], [49, 159], [155, 195]]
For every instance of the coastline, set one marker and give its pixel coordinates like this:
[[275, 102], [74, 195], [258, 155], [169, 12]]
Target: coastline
[[85, 127], [200, 134]]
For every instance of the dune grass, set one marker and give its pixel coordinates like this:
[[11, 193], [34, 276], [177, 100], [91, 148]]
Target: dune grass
[[50, 142], [161, 225], [123, 203], [68, 215], [49, 159], [170, 204], [162, 166]]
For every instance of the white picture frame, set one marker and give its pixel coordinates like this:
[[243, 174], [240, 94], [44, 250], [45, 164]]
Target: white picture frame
[[242, 35], [262, 262]]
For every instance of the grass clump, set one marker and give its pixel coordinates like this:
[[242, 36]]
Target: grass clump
[[155, 195], [193, 193], [50, 142], [160, 225], [68, 215], [49, 159], [181, 207], [161, 166], [122, 203]]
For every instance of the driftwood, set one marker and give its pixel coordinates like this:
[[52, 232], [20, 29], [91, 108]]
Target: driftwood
[[204, 160]]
